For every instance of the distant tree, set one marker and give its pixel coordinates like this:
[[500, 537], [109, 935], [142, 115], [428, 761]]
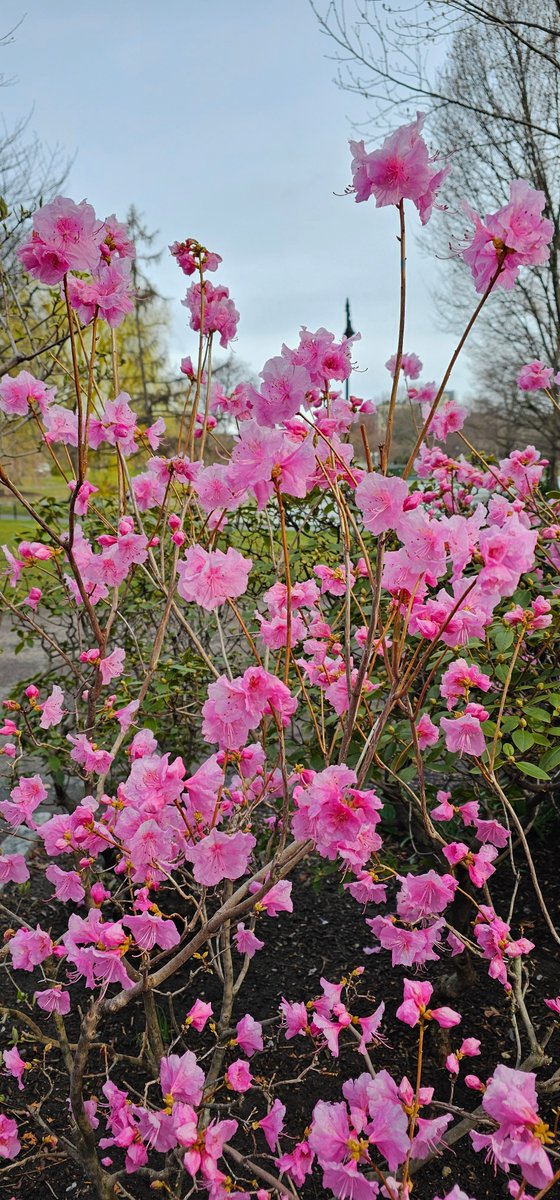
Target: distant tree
[[385, 51], [494, 112], [486, 152]]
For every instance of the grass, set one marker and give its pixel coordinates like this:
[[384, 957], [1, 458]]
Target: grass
[[15, 530]]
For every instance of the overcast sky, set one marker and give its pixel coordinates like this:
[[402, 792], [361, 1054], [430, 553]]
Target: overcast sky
[[219, 119]]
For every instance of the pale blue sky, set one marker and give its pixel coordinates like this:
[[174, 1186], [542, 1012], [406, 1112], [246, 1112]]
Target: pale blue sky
[[220, 120]]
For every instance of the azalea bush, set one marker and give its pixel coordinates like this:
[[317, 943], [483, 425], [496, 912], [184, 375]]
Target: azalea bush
[[360, 649]]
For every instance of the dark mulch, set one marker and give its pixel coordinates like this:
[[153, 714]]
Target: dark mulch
[[325, 936]]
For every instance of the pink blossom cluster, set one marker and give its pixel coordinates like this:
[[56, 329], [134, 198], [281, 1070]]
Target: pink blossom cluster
[[67, 237], [328, 695]]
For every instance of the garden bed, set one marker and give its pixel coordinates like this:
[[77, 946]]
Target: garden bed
[[324, 937]]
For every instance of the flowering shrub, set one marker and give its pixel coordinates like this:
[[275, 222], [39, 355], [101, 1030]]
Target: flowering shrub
[[414, 657]]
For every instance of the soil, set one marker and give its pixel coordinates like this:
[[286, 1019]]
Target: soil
[[324, 937]]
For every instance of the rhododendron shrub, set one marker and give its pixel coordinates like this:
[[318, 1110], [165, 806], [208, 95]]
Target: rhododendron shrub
[[386, 660]]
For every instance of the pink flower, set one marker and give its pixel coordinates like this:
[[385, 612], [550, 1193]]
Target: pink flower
[[492, 831], [534, 376], [204, 1148], [112, 666], [61, 425], [88, 755], [283, 391], [333, 581], [344, 1179], [273, 1124], [424, 394], [298, 1164], [15, 566], [181, 1079], [463, 735], [246, 941], [109, 292], [65, 237], [380, 499], [400, 170], [459, 678], [220, 313], [330, 1132], [191, 256], [14, 1064], [10, 1145], [33, 597], [415, 1006], [429, 1135], [234, 707], [369, 1027], [407, 946], [97, 948], [421, 896], [426, 732], [322, 358], [258, 452], [493, 936], [151, 929], [449, 418], [554, 1005], [67, 884], [13, 868], [411, 367], [220, 856], [295, 1017], [238, 1076], [277, 900], [198, 1015], [115, 426], [142, 744], [388, 1127], [29, 947], [18, 393], [210, 577], [479, 865], [116, 239], [469, 1048], [249, 1035], [334, 812], [53, 1000], [28, 794], [511, 1100], [52, 710], [517, 235]]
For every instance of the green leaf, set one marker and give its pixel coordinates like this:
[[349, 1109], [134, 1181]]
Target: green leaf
[[510, 721], [503, 638], [523, 739], [531, 769], [407, 774], [538, 714], [551, 759]]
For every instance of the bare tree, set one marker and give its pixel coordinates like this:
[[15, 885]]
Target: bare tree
[[486, 153], [389, 53], [495, 115]]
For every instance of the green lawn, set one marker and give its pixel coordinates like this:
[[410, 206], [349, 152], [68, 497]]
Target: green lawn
[[16, 529]]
